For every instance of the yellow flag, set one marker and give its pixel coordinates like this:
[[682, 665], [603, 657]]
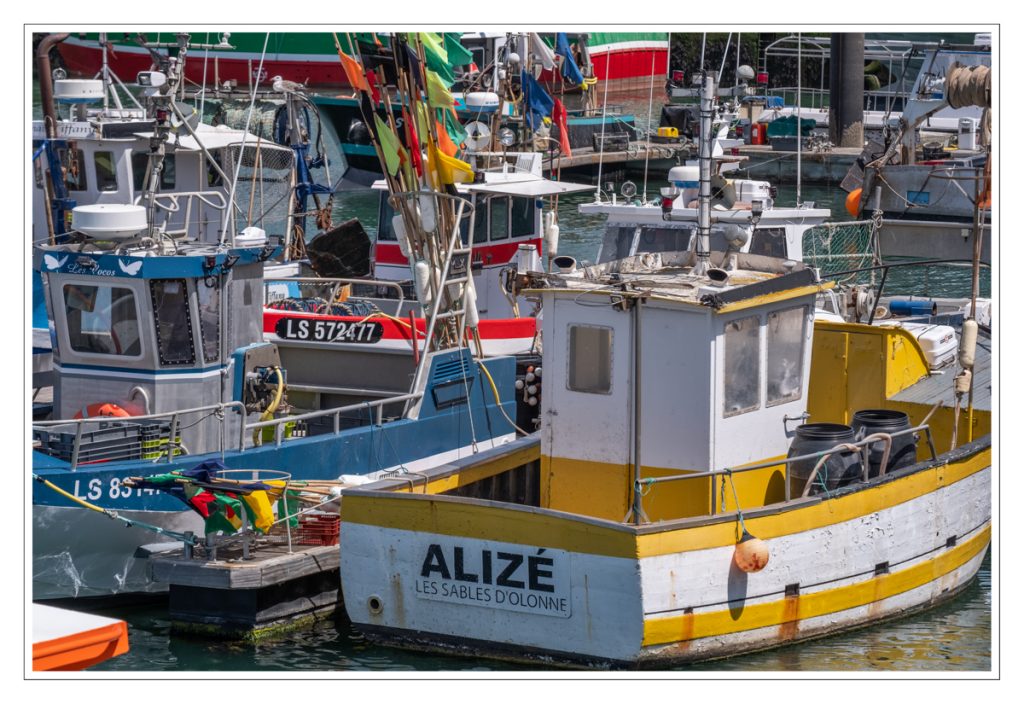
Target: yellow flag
[[450, 169]]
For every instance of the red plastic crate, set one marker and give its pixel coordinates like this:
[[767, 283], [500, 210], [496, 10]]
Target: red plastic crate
[[319, 529]]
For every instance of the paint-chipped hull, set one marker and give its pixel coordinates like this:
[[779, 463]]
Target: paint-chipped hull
[[79, 553], [423, 572]]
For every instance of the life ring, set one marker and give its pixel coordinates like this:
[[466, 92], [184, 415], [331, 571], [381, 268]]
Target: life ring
[[104, 409]]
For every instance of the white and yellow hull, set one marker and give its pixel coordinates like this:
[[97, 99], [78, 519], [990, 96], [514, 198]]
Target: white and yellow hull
[[522, 583]]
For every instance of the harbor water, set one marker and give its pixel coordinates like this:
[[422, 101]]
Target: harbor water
[[955, 637]]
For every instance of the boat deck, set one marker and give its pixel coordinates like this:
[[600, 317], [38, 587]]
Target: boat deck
[[939, 386]]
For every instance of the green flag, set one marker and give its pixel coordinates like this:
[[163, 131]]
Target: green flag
[[437, 93], [389, 145], [454, 128], [458, 55], [437, 57]]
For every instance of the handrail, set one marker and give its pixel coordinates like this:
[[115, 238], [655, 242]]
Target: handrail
[[150, 416], [335, 280], [278, 423], [789, 460]]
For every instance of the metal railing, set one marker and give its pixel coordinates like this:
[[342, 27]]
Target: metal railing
[[863, 445], [336, 284], [168, 448], [169, 204]]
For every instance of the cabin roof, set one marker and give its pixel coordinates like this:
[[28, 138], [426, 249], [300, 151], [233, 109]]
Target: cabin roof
[[669, 276]]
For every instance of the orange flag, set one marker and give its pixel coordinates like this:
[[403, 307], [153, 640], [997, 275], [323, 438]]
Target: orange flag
[[444, 142], [354, 71]]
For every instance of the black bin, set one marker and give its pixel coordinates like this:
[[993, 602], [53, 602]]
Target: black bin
[[877, 420], [840, 469]]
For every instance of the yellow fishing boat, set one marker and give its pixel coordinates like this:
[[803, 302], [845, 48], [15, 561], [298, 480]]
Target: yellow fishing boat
[[623, 537], [721, 468]]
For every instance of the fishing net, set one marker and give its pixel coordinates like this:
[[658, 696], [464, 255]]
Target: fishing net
[[263, 192], [836, 247]]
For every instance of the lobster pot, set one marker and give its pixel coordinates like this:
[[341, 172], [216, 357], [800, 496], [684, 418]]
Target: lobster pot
[[904, 448], [839, 469]]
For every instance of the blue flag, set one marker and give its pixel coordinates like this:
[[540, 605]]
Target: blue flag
[[570, 71], [536, 102]]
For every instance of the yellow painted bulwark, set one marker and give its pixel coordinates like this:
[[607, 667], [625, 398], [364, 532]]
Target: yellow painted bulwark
[[659, 631], [576, 533], [854, 367]]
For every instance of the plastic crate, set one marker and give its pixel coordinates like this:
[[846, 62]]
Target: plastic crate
[[318, 528], [107, 442], [154, 439]]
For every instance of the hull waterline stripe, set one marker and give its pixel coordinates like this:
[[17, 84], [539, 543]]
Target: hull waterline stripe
[[660, 631]]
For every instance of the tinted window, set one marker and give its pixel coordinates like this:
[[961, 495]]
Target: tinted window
[[106, 171], [616, 244], [523, 210], [140, 164], [499, 219], [102, 320], [769, 241], [209, 321], [663, 239], [173, 324], [480, 225]]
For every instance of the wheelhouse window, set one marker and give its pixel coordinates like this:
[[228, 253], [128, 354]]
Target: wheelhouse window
[[106, 171], [209, 321], [785, 341], [102, 320], [74, 169], [742, 366], [523, 211], [385, 231], [769, 241], [499, 218], [480, 221], [616, 244], [590, 359], [663, 239], [140, 167], [173, 323]]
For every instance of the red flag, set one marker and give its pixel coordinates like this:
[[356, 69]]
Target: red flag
[[560, 117], [412, 140], [371, 81]]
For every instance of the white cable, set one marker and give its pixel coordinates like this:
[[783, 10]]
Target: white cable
[[238, 167]]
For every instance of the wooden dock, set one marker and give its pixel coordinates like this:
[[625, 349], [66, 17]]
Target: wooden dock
[[234, 598], [767, 164], [634, 157]]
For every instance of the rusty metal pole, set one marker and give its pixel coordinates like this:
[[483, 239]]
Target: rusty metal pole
[[46, 81]]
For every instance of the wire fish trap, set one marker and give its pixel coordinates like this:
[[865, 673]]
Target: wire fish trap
[[834, 247]]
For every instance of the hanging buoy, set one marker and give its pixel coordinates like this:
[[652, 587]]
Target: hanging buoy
[[853, 202], [421, 280], [550, 234], [428, 215], [469, 305], [751, 553], [398, 226], [968, 343]]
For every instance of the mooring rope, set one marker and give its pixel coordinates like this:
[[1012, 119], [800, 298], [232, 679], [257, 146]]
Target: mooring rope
[[113, 514]]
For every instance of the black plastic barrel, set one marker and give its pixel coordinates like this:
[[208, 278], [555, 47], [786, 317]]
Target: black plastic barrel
[[904, 447], [840, 469]]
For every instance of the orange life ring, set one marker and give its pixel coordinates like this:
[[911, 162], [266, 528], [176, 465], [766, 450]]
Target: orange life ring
[[104, 409]]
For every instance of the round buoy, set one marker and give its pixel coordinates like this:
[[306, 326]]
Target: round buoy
[[853, 202], [751, 553], [103, 410]]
